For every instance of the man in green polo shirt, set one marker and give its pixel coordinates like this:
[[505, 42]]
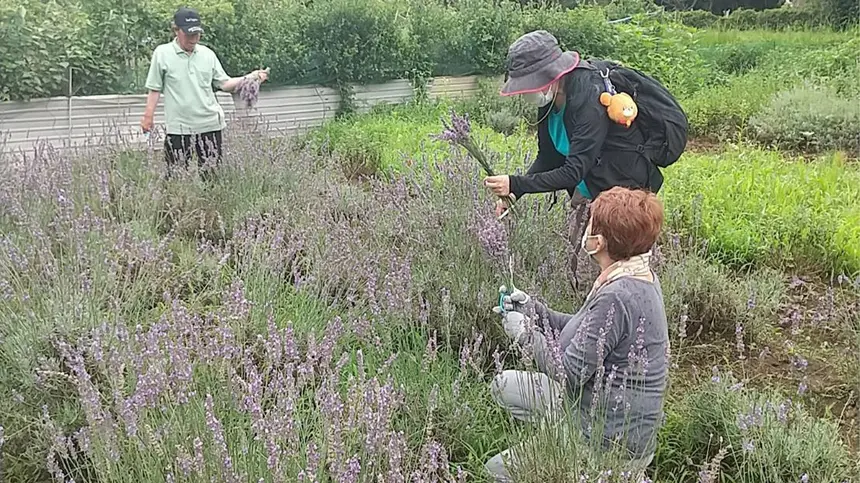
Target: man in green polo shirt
[[186, 72]]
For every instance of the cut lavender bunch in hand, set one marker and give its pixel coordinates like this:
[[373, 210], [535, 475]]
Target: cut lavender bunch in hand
[[458, 132], [249, 89]]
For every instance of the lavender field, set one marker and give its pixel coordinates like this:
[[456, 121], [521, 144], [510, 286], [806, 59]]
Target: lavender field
[[287, 323], [321, 310]]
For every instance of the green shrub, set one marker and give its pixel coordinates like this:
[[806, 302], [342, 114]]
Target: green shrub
[[847, 85], [722, 112], [706, 298], [750, 68], [750, 19], [666, 52], [490, 108], [584, 30], [489, 29], [355, 41], [812, 119], [441, 44], [842, 14], [699, 19], [773, 19], [41, 43], [335, 42], [813, 64], [767, 437], [736, 59], [266, 34], [504, 121]]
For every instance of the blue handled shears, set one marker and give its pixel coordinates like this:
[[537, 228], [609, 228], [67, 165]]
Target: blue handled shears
[[504, 293]]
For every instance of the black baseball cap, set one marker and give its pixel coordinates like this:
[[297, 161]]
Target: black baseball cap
[[188, 20]]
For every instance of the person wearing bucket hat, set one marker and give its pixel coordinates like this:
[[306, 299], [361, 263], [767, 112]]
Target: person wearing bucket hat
[[185, 72], [580, 149]]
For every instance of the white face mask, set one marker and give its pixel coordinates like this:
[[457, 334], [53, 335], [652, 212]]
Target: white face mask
[[585, 237], [541, 99]]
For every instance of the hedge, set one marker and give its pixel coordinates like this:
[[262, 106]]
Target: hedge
[[773, 19], [842, 14], [106, 44]]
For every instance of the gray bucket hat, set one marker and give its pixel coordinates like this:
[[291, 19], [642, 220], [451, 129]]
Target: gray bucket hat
[[534, 61]]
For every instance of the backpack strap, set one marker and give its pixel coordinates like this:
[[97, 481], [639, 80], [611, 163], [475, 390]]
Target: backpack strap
[[604, 74]]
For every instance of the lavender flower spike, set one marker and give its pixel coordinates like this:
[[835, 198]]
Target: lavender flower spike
[[459, 132]]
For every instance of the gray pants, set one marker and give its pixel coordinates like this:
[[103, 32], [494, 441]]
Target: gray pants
[[534, 397]]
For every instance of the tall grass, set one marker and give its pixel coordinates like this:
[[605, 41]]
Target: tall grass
[[757, 206]]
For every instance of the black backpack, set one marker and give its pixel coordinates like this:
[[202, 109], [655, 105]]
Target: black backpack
[[661, 119]]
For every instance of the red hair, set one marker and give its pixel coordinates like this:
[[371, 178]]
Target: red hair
[[630, 221]]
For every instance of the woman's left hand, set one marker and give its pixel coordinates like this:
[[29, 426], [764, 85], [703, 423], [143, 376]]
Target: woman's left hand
[[499, 185]]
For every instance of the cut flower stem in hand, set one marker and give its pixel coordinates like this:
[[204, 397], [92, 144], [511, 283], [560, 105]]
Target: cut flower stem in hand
[[458, 132]]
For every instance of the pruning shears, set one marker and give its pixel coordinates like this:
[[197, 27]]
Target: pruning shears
[[502, 294], [504, 291], [510, 208]]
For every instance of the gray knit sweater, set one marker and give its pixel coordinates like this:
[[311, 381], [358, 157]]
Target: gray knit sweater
[[616, 346]]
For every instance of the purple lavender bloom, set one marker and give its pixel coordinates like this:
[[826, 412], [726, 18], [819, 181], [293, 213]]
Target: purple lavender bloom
[[458, 131], [249, 91], [353, 468], [799, 363], [313, 464], [751, 302], [492, 236], [782, 411], [220, 443]]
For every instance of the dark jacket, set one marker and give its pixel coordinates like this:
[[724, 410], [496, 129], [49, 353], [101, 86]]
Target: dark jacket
[[602, 152]]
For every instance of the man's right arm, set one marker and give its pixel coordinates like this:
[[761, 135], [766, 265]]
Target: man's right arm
[[149, 113], [154, 84]]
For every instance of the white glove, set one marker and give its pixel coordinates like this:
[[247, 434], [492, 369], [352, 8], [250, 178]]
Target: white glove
[[511, 308], [515, 325], [519, 311]]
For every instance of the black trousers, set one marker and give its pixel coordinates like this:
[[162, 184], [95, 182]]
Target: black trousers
[[178, 149]]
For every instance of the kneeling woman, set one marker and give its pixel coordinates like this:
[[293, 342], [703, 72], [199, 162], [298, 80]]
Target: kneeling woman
[[610, 361]]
